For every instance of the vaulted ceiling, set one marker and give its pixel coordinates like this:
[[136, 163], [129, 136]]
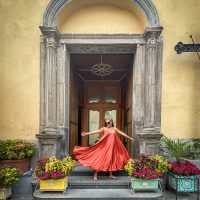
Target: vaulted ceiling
[[120, 64]]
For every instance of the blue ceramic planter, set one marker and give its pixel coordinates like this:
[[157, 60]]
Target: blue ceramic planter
[[182, 183]]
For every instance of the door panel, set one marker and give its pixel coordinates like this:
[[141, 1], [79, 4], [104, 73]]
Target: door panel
[[93, 122], [100, 100]]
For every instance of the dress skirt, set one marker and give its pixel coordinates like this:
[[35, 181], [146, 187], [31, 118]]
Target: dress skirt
[[108, 154]]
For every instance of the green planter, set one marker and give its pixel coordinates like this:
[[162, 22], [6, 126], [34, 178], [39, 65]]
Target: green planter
[[145, 184], [182, 183]]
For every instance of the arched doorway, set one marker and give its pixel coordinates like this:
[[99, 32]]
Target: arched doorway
[[58, 129]]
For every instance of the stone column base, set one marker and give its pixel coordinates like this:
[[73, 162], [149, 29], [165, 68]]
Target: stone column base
[[149, 141], [49, 143]]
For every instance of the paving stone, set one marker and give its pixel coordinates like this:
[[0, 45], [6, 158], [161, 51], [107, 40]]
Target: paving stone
[[167, 195], [94, 194]]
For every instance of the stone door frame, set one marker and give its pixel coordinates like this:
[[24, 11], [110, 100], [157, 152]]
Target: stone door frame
[[55, 49]]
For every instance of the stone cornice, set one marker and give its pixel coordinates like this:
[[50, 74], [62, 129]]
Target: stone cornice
[[151, 35], [152, 32], [50, 32]]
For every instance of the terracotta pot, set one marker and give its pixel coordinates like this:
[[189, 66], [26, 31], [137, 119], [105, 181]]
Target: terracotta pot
[[23, 165]]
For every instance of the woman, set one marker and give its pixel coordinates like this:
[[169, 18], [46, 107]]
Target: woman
[[108, 154]]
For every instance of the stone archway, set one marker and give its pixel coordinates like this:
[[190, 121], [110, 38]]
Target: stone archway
[[54, 87], [54, 7]]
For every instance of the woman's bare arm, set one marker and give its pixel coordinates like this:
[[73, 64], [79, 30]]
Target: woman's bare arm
[[93, 132], [123, 134]]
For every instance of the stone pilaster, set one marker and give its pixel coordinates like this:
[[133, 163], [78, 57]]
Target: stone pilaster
[[50, 87], [62, 84], [150, 134], [152, 84], [138, 93], [48, 79], [42, 82], [50, 136]]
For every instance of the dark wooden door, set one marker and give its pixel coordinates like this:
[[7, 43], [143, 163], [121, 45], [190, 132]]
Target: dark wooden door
[[100, 99]]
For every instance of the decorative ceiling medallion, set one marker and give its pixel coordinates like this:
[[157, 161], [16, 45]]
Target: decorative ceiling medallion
[[101, 69]]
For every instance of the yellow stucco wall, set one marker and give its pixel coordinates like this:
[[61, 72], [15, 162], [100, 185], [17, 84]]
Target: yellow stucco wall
[[181, 73], [117, 21], [19, 60], [101, 16], [19, 67]]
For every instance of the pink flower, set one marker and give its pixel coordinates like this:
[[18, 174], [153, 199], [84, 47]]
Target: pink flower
[[185, 169]]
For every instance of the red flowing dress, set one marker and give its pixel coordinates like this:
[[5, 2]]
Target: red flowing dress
[[108, 154]]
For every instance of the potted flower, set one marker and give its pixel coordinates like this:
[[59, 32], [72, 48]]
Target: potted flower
[[16, 153], [193, 153], [8, 176], [146, 171], [182, 175], [179, 148], [53, 173], [194, 150]]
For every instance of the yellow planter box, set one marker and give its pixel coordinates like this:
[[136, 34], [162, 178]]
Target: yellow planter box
[[54, 184]]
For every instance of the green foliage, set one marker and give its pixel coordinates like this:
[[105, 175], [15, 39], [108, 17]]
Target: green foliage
[[8, 176], [16, 150], [193, 151], [179, 148]]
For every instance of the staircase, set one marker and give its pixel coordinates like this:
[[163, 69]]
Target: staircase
[[82, 186]]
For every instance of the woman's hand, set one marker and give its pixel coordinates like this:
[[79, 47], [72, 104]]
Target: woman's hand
[[131, 139], [93, 132], [83, 133]]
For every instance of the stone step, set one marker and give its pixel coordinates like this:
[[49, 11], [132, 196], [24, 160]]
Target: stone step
[[104, 194], [103, 182], [87, 182], [87, 171]]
